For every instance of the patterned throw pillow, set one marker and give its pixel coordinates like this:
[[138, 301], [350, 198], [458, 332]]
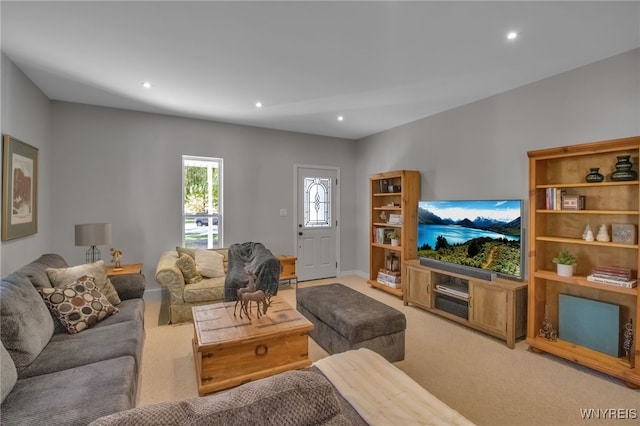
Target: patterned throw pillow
[[78, 305], [187, 265]]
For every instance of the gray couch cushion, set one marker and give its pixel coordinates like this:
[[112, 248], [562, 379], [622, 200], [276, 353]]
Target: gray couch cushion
[[130, 310], [66, 351], [129, 286], [8, 373], [352, 314], [25, 322], [72, 397], [206, 290], [37, 270], [293, 397]]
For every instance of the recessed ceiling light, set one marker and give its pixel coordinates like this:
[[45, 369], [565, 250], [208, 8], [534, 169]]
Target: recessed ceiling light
[[258, 104], [512, 35], [340, 118], [146, 85]]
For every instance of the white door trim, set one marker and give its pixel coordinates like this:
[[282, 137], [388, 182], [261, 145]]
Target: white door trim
[[294, 224]]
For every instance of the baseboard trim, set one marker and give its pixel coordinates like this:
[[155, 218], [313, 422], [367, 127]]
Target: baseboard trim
[[357, 273], [153, 295]]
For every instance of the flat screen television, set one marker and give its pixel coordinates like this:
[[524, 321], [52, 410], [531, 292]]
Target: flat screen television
[[477, 235]]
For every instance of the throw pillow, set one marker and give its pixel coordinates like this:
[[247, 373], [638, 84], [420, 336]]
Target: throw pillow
[[9, 374], [62, 276], [187, 251], [209, 263], [26, 325], [78, 305], [188, 267]]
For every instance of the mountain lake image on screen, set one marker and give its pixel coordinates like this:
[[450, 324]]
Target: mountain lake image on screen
[[483, 234]]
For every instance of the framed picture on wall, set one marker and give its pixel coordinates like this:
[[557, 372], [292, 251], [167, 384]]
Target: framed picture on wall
[[19, 189]]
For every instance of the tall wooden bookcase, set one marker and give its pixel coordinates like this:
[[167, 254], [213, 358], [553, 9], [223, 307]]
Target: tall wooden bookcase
[[561, 170], [396, 194]]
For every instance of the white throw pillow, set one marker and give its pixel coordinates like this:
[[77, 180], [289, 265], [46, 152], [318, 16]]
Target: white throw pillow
[[60, 277], [209, 263]]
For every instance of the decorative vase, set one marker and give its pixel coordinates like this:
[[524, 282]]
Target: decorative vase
[[594, 176], [565, 270], [623, 169]]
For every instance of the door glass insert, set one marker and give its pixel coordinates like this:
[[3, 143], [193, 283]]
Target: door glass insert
[[317, 202]]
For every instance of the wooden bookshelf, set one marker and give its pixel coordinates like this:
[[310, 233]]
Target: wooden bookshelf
[[393, 193], [550, 231]]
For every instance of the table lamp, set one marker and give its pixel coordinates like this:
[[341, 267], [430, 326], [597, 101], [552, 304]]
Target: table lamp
[[92, 235]]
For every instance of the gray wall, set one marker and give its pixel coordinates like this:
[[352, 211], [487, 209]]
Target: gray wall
[[26, 115], [124, 167], [479, 151], [100, 164]]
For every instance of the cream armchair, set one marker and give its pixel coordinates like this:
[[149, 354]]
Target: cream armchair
[[182, 297]]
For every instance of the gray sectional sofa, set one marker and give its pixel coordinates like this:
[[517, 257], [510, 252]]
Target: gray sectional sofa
[[357, 387], [52, 377]]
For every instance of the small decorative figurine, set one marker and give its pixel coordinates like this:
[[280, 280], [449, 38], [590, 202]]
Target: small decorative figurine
[[383, 216], [547, 330], [116, 256], [628, 340], [603, 235], [587, 235]]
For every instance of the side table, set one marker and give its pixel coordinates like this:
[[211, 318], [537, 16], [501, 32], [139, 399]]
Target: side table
[[288, 268], [131, 268]]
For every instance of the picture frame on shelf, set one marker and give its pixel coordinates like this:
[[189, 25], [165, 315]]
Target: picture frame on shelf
[[623, 233], [573, 202], [19, 189], [384, 185]]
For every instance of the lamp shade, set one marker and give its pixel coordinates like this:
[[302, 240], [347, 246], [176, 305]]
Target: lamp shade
[[93, 234]]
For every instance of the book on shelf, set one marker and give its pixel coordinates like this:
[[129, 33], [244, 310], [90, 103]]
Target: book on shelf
[[395, 219], [630, 283], [611, 277], [389, 278], [612, 272], [553, 198]]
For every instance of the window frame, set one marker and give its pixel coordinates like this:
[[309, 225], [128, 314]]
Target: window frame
[[219, 161]]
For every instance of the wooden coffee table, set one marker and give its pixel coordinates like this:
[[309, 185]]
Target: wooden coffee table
[[229, 351]]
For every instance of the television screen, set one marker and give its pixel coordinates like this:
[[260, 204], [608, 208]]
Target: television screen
[[483, 234]]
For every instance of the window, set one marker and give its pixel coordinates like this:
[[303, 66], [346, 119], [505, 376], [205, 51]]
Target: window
[[202, 202], [317, 202]]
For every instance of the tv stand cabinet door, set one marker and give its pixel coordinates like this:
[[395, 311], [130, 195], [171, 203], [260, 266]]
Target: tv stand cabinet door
[[418, 287], [489, 309]]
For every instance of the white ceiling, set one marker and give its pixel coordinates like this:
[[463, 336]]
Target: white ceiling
[[379, 64]]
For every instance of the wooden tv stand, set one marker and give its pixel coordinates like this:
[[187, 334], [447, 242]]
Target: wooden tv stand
[[498, 308]]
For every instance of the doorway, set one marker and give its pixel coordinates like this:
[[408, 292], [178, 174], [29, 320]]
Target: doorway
[[317, 213]]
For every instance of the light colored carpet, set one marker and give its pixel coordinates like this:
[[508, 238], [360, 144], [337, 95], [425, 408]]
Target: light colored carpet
[[475, 374]]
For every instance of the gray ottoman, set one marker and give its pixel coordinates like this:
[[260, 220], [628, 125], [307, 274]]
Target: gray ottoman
[[345, 319]]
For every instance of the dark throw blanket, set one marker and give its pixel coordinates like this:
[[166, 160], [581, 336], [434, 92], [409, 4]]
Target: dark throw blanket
[[251, 257]]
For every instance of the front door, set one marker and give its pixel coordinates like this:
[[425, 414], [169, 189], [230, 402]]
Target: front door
[[317, 223]]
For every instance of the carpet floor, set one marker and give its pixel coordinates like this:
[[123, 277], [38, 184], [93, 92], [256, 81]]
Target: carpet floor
[[476, 374]]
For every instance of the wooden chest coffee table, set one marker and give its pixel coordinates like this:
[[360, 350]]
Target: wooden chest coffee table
[[229, 351]]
